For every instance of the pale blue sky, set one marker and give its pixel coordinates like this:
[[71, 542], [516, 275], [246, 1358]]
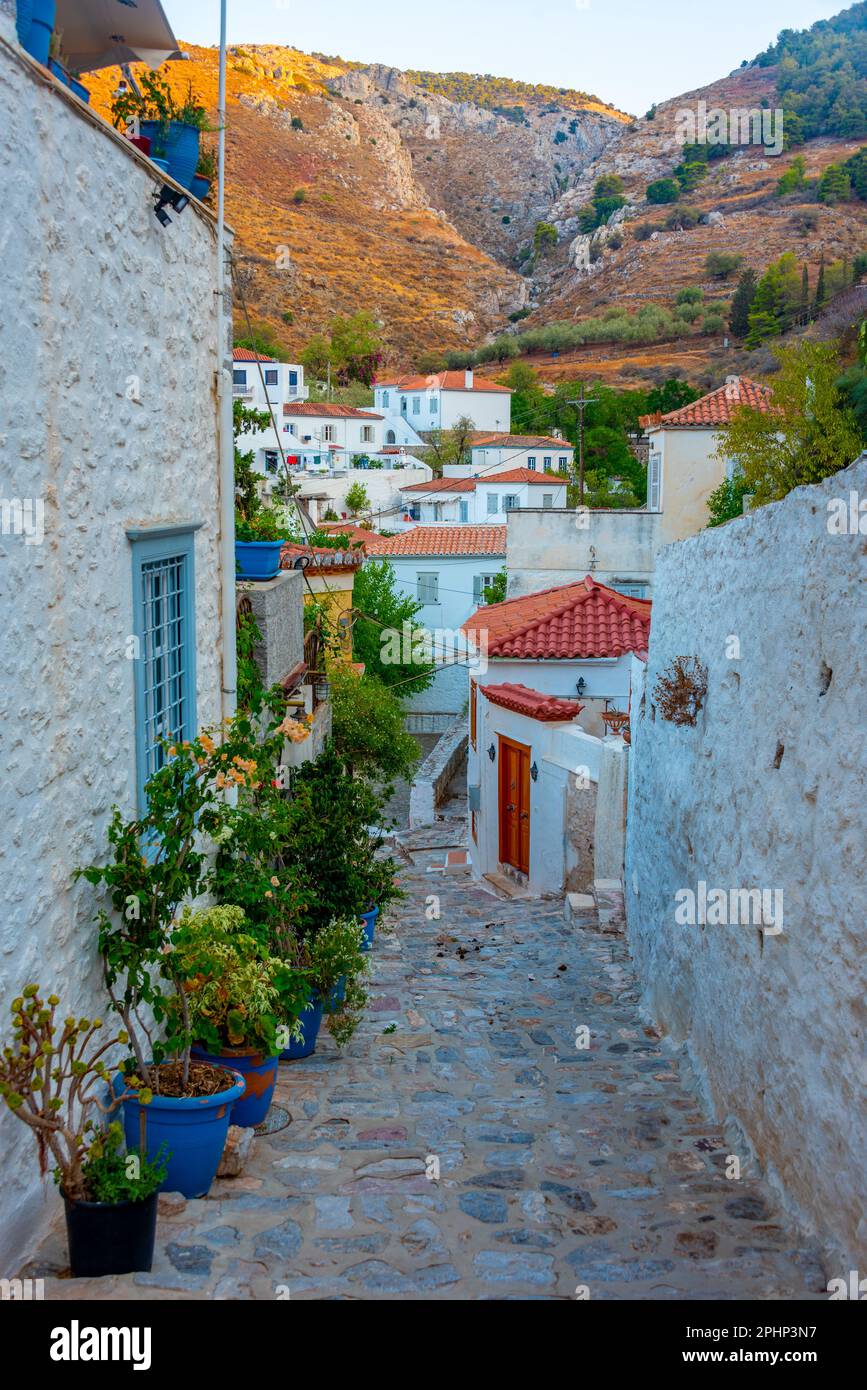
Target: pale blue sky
[[629, 52]]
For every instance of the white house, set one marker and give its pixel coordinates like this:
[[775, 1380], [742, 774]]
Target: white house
[[320, 434], [682, 468], [319, 495], [122, 475], [437, 402], [498, 453], [446, 569], [482, 499], [262, 383], [540, 779]]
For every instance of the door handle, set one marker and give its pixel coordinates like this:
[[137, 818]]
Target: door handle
[[510, 807], [525, 815]]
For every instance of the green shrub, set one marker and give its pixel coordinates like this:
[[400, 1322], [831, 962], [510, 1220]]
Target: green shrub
[[663, 191]]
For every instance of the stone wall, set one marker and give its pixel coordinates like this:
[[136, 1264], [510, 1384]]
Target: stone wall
[[767, 792], [108, 418], [432, 778]]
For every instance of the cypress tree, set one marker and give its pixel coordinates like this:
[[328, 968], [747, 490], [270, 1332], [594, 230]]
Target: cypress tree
[[742, 300]]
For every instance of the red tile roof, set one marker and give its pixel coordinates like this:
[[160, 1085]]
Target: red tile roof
[[570, 623], [330, 412], [481, 440], [533, 703], [357, 534], [447, 540], [443, 381], [511, 475], [716, 408], [442, 485], [245, 355], [525, 475]]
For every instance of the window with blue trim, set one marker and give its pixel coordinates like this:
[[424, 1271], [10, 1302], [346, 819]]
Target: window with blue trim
[[165, 669]]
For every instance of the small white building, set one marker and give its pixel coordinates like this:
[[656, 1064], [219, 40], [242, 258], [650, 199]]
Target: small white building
[[438, 401], [683, 468], [483, 499], [543, 773], [446, 569], [324, 436], [499, 453], [262, 383]]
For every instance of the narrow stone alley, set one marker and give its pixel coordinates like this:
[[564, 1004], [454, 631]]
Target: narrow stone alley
[[463, 1147]]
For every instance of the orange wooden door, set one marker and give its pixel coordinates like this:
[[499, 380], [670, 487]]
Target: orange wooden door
[[515, 804]]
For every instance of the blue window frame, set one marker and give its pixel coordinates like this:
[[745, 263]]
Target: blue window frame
[[239, 376], [293, 381], [463, 510], [531, 463], [164, 622]]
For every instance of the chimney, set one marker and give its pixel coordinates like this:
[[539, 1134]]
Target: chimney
[[468, 379]]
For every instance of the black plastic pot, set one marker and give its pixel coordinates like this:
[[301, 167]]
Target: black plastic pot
[[110, 1238]]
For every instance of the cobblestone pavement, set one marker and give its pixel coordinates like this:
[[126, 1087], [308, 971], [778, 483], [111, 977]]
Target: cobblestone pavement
[[559, 1169]]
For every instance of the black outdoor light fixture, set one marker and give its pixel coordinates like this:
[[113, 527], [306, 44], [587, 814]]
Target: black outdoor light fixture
[[534, 773], [580, 686], [168, 197], [492, 752]]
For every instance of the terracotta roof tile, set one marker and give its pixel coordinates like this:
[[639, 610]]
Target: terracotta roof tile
[[443, 381], [716, 408], [330, 412], [442, 485], [525, 475], [358, 535], [571, 622], [482, 440], [447, 540], [245, 355], [533, 703]]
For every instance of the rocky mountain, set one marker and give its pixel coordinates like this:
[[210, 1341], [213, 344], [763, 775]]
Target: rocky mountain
[[421, 197]]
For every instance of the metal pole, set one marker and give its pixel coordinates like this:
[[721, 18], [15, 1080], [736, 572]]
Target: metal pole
[[224, 380]]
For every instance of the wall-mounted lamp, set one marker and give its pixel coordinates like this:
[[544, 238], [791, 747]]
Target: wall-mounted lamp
[[169, 197], [580, 686], [534, 773], [492, 752]]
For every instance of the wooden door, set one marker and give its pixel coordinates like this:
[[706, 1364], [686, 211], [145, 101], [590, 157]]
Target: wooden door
[[515, 804]]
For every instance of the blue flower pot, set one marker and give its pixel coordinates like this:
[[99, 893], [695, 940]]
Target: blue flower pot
[[369, 920], [38, 40], [260, 1078], [177, 143], [338, 994], [23, 19], [161, 164], [311, 1022], [258, 559], [200, 188], [68, 80], [193, 1129]]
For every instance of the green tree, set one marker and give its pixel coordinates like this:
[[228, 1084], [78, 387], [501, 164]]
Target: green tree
[[821, 294], [834, 185], [544, 237], [608, 186], [449, 446], [357, 499], [794, 177], [776, 300], [315, 358], [721, 264], [262, 340], [742, 302], [663, 191], [368, 727], [495, 592], [727, 501], [856, 167], [381, 610], [809, 433]]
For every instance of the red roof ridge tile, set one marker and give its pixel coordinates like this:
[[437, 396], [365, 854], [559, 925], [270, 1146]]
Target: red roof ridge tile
[[522, 699]]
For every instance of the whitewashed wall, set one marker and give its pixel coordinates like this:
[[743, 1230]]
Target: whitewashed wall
[[767, 791], [94, 294], [546, 548]]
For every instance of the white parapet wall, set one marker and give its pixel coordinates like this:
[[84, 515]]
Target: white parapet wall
[[109, 346], [766, 792]]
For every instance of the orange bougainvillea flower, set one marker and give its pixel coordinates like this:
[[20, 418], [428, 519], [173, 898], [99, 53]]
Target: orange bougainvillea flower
[[207, 743]]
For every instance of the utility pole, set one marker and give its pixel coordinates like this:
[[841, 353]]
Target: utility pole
[[581, 405]]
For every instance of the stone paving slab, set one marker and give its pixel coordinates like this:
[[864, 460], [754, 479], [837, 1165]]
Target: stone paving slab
[[463, 1147]]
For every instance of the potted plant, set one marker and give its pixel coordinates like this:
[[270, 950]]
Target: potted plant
[[157, 862], [243, 1003], [173, 127], [333, 957], [259, 541], [50, 1077], [206, 170], [64, 74]]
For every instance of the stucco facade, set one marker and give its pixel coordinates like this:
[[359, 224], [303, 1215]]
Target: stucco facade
[[545, 548], [765, 792], [689, 471], [109, 421]]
